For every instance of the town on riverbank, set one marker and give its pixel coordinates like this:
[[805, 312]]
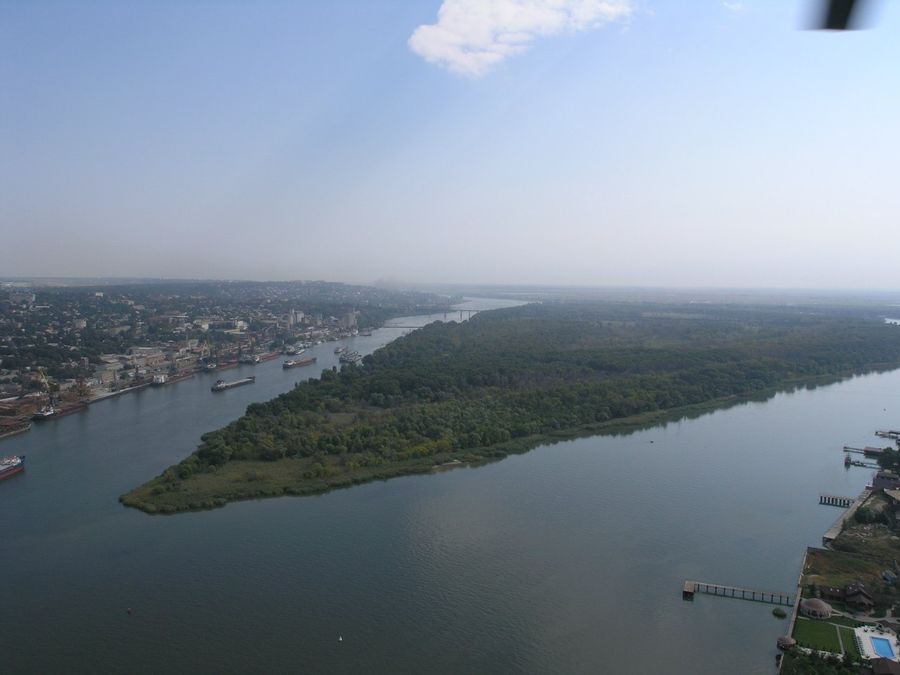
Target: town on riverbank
[[63, 347]]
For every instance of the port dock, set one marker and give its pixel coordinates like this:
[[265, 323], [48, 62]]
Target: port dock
[[838, 525], [868, 451], [836, 500], [773, 598]]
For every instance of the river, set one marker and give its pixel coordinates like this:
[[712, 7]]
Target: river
[[569, 558]]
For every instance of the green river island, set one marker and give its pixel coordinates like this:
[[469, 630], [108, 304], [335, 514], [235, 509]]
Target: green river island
[[507, 380]]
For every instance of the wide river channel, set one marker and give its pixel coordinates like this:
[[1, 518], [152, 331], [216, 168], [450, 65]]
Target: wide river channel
[[567, 559]]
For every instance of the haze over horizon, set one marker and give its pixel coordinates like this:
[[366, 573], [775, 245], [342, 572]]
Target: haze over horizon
[[551, 142]]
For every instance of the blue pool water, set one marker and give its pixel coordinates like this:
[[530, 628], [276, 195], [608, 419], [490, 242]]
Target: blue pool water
[[882, 647]]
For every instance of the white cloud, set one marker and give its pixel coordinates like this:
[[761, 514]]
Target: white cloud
[[735, 6], [472, 36]]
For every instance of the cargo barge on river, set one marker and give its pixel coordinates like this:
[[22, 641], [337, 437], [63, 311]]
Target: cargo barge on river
[[294, 363], [10, 466], [222, 385]]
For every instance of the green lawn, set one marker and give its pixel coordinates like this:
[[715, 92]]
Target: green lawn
[[844, 621], [849, 643], [817, 635]]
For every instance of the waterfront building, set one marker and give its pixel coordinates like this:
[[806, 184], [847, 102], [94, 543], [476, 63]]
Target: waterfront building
[[885, 480], [855, 596], [884, 667], [815, 608]]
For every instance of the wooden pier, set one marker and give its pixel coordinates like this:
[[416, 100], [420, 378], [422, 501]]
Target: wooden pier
[[836, 500], [692, 587]]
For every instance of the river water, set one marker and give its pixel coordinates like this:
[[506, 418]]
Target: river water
[[569, 558]]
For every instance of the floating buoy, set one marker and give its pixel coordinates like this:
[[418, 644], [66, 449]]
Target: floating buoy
[[340, 639]]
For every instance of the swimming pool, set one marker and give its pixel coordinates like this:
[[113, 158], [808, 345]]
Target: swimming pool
[[882, 647]]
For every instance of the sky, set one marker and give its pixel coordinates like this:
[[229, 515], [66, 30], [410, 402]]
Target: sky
[[583, 142]]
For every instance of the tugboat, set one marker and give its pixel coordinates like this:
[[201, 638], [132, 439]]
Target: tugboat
[[9, 466]]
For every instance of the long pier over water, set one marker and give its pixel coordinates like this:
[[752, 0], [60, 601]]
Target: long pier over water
[[773, 598], [836, 500]]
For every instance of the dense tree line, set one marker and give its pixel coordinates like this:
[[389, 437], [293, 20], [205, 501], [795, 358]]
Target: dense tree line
[[542, 368]]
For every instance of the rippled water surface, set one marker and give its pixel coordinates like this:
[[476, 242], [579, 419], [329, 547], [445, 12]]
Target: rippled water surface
[[569, 558]]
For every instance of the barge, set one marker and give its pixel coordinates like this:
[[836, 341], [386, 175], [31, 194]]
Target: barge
[[222, 385], [294, 363], [10, 466]]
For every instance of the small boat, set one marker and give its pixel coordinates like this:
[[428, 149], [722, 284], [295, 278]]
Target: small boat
[[340, 350], [847, 460], [9, 466]]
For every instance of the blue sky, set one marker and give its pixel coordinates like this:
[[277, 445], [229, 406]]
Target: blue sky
[[688, 144]]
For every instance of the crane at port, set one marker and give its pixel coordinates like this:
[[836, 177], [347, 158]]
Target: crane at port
[[48, 391]]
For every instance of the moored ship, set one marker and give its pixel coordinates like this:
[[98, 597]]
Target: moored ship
[[350, 357], [49, 412], [293, 363], [9, 466], [222, 385]]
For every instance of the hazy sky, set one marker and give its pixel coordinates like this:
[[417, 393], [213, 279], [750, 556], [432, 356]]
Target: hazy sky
[[642, 142]]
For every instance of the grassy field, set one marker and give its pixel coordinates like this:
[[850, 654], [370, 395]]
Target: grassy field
[[844, 621], [849, 643], [817, 635], [839, 568], [865, 552]]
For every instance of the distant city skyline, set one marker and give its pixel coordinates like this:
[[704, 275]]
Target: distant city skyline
[[624, 143]]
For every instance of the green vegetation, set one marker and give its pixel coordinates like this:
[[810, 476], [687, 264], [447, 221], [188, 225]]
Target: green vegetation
[[796, 663], [844, 621], [817, 635], [508, 380], [850, 648]]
